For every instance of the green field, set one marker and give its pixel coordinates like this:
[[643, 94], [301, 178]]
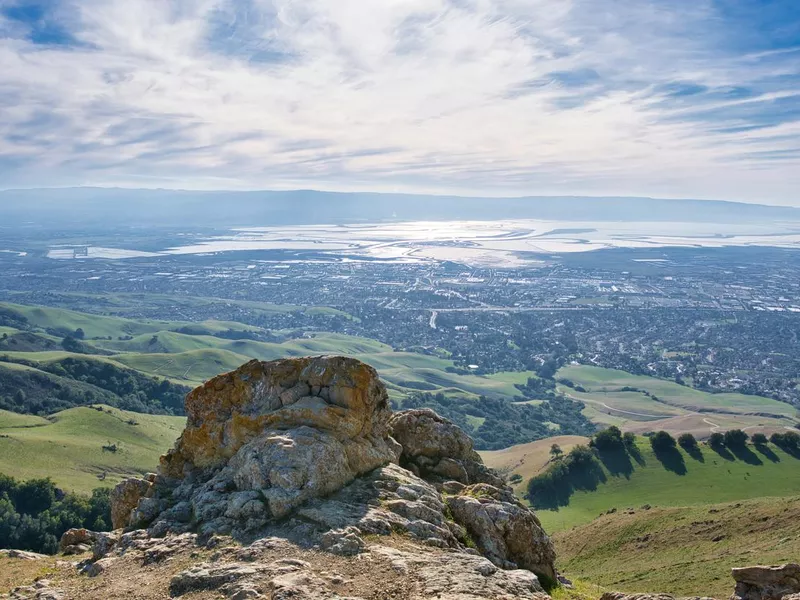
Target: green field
[[711, 480], [68, 446], [675, 408], [687, 551]]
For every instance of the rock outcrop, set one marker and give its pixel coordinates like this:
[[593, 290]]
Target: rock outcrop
[[308, 450], [438, 449], [504, 530], [766, 583]]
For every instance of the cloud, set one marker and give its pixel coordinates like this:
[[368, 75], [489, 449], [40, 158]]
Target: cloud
[[693, 98]]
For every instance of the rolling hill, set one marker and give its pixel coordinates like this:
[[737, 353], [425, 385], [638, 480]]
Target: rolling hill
[[640, 404], [68, 446], [685, 551], [685, 480]]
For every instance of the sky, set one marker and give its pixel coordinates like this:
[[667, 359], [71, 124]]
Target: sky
[[661, 98]]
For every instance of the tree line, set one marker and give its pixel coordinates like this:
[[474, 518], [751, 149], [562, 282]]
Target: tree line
[[35, 513]]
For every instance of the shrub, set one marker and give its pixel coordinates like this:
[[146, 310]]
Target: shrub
[[661, 440]]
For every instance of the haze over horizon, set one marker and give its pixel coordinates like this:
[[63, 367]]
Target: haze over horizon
[[638, 98]]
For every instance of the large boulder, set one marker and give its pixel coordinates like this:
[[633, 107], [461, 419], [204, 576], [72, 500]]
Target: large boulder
[[265, 438], [438, 450], [504, 530], [305, 449], [340, 396], [766, 583], [125, 497]]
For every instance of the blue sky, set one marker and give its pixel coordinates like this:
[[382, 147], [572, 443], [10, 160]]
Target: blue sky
[[669, 98]]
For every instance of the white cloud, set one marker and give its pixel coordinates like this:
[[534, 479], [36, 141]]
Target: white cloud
[[467, 96]]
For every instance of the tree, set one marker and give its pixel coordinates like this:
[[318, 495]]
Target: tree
[[716, 440], [789, 440], [759, 439], [661, 440], [687, 441], [735, 438], [629, 439], [556, 451], [548, 369], [79, 334], [608, 439]]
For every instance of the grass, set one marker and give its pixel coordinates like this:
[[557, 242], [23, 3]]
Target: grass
[[93, 325], [68, 446], [684, 551], [598, 379], [158, 348], [713, 479], [678, 408], [529, 459], [193, 367]]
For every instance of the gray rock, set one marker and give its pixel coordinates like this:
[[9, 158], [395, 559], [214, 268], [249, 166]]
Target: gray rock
[[766, 583], [438, 450], [505, 531]]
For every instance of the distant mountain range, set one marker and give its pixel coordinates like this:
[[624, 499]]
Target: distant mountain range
[[81, 207]]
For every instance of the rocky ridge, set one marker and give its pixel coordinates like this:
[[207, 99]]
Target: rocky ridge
[[289, 466], [294, 479]]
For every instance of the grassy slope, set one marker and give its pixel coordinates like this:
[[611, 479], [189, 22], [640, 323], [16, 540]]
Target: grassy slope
[[92, 325], [715, 479], [682, 551], [529, 459], [68, 445], [679, 408], [597, 379]]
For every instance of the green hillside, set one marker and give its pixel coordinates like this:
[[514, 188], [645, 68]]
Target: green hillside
[[68, 446], [686, 551], [640, 403], [710, 478], [93, 325]]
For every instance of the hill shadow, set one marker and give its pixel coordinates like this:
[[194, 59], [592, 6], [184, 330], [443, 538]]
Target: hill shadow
[[554, 491], [723, 452], [695, 452], [636, 454], [616, 462], [671, 460], [744, 453], [768, 453]]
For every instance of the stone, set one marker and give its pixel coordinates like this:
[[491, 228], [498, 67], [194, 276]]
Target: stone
[[623, 596], [98, 567], [258, 445], [504, 530], [74, 537], [438, 449], [766, 583], [104, 542], [21, 554], [233, 409], [124, 499], [458, 576]]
